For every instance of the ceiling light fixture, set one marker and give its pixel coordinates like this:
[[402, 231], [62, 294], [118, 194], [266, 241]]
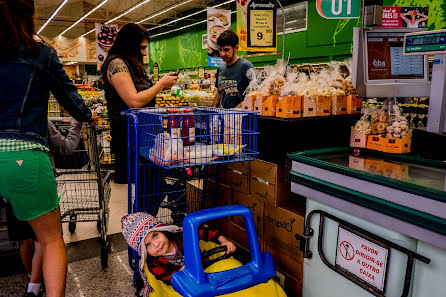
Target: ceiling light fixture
[[130, 9], [184, 27], [83, 35], [84, 16], [59, 7], [189, 15], [163, 11]]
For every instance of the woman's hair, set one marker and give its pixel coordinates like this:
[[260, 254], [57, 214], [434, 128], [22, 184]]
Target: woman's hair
[[17, 28], [127, 46]]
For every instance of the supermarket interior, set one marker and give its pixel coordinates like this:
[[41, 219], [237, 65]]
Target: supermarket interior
[[312, 150]]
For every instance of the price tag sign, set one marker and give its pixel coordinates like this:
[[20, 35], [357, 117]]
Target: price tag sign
[[156, 71], [201, 72], [425, 43], [262, 24]]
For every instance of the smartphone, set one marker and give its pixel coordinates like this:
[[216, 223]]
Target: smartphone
[[178, 72]]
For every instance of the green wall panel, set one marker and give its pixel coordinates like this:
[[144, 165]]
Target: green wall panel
[[324, 40]]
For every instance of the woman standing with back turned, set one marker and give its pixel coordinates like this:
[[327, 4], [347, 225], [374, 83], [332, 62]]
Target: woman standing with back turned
[[29, 70]]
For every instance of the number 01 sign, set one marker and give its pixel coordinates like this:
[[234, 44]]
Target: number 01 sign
[[261, 23]]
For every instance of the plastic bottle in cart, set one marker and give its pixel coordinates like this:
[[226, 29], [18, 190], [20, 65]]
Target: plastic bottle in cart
[[188, 127], [173, 124]]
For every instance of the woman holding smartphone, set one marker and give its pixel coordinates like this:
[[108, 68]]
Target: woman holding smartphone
[[127, 85]]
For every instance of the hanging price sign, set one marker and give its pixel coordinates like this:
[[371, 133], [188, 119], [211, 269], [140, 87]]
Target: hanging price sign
[[200, 72], [156, 72], [261, 23]]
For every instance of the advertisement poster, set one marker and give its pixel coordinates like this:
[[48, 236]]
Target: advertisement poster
[[261, 16], [405, 17], [105, 36], [218, 21]]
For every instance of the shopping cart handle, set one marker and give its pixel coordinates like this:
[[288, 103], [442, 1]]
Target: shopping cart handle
[[194, 282]]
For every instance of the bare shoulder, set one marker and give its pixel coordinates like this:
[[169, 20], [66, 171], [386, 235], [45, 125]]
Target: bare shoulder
[[117, 65]]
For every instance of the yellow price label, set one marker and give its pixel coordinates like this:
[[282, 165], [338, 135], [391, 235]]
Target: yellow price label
[[262, 28], [200, 72]]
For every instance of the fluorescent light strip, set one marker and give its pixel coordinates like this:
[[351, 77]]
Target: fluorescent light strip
[[84, 16], [128, 11], [188, 16], [59, 7], [164, 11], [92, 30], [184, 27]]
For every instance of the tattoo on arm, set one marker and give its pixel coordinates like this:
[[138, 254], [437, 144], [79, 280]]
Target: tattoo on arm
[[117, 65]]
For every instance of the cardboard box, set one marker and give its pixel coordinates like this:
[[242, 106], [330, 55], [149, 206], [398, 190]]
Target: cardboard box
[[281, 225], [269, 106], [236, 180], [243, 167], [238, 235], [258, 103], [375, 142], [292, 287], [289, 107], [309, 107], [268, 182], [354, 104], [256, 205], [339, 105], [358, 139], [194, 195], [323, 106], [291, 265], [396, 145], [248, 103]]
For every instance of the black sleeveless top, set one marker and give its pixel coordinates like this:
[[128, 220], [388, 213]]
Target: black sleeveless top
[[118, 123]]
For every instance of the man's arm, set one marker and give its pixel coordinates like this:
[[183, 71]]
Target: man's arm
[[216, 99]]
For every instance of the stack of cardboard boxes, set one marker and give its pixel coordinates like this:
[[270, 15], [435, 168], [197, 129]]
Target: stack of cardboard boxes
[[262, 187]]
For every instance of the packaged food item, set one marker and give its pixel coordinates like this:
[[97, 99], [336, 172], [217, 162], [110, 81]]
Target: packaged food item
[[173, 124], [166, 150], [362, 129], [251, 91]]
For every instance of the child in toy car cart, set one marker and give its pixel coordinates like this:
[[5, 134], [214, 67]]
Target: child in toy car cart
[[160, 249], [161, 246]]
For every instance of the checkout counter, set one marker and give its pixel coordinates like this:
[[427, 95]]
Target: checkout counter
[[395, 202]]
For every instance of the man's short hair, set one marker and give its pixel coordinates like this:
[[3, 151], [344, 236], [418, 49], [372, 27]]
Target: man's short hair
[[227, 37]]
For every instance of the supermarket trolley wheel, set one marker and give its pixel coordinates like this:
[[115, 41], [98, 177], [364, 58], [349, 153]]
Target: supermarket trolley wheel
[[105, 249], [72, 224]]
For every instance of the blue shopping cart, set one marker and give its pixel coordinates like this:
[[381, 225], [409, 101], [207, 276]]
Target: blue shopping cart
[[173, 164]]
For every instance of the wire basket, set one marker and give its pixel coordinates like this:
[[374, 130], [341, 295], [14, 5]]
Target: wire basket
[[178, 138]]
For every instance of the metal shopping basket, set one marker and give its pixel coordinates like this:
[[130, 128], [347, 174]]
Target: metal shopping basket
[[84, 188], [172, 172]]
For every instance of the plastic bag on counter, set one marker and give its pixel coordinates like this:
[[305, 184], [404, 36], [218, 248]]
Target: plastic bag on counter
[[364, 125], [289, 88], [398, 125], [251, 91], [274, 79], [166, 150]]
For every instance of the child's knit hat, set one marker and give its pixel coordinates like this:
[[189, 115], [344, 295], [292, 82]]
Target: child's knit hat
[[135, 228]]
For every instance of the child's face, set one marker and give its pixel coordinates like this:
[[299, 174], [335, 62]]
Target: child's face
[[157, 244]]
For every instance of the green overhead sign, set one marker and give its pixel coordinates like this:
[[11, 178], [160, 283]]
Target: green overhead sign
[[425, 43], [339, 9]]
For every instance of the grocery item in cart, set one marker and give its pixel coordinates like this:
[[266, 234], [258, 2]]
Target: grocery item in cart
[[198, 154], [227, 149], [166, 150]]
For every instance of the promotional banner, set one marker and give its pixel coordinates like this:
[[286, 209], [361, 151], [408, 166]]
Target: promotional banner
[[405, 17], [218, 21], [256, 25], [105, 36], [339, 9]]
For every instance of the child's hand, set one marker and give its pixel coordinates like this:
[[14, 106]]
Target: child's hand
[[230, 246], [182, 268]]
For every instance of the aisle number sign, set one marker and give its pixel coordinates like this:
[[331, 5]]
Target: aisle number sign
[[156, 72], [365, 259], [261, 24], [339, 9]]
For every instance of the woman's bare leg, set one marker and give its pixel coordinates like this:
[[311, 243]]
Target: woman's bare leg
[[48, 231]]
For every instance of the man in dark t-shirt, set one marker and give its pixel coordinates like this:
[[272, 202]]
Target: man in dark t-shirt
[[231, 80]]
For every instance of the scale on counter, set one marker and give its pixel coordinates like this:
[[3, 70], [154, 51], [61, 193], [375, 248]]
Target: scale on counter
[[432, 43]]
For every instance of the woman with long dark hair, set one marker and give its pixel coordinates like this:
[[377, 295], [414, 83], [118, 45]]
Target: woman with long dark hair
[[29, 70], [127, 85]]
